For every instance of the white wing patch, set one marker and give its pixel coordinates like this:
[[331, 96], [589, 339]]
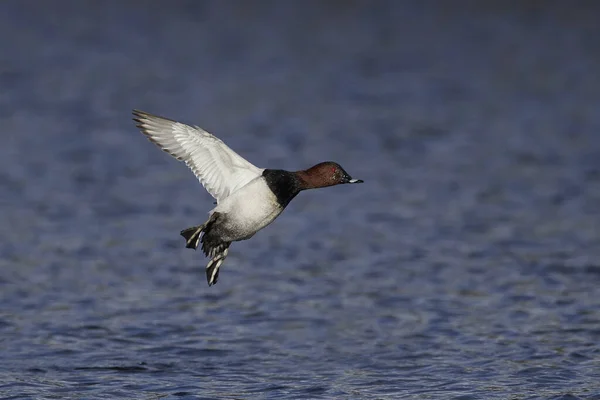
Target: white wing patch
[[220, 170]]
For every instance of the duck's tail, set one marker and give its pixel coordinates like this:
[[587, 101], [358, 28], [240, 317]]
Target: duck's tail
[[212, 245]]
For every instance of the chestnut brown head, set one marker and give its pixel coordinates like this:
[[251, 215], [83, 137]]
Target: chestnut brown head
[[325, 174]]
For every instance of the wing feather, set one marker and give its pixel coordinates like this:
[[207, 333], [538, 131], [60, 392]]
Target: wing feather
[[218, 168]]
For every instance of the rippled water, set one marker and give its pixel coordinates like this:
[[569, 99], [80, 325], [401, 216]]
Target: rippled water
[[467, 265]]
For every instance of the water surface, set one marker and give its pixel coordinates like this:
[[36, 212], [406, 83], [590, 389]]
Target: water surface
[[467, 265]]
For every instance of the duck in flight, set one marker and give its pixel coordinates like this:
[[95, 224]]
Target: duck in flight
[[248, 198]]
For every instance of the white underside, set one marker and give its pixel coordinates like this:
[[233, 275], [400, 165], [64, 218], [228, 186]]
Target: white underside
[[248, 210]]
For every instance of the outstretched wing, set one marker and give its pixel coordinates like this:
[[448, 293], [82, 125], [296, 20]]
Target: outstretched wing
[[220, 170]]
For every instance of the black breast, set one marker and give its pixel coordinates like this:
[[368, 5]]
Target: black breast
[[285, 185]]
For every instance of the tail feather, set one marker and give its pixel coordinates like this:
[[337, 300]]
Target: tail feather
[[192, 236]]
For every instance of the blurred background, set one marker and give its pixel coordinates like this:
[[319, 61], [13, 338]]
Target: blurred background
[[466, 266]]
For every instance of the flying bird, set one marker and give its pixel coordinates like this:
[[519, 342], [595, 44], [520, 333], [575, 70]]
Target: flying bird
[[248, 198]]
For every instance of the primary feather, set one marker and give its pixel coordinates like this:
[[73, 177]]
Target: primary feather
[[218, 168]]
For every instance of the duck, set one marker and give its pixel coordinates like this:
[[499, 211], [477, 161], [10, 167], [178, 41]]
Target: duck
[[247, 198]]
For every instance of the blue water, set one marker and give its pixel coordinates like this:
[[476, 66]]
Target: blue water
[[467, 266]]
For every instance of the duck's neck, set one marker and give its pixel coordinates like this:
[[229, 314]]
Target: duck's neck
[[306, 180], [285, 185]]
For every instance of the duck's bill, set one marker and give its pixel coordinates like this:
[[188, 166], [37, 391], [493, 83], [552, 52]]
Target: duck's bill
[[355, 181]]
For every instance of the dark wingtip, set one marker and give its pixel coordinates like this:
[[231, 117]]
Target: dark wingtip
[[139, 115]]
